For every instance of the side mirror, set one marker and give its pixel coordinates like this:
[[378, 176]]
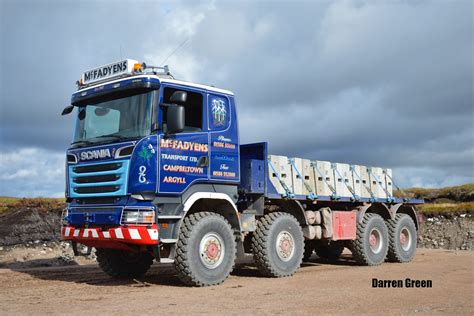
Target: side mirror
[[179, 97], [82, 114], [68, 109], [175, 119]]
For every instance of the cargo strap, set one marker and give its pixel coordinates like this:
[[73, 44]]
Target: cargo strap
[[356, 197], [311, 195], [372, 196], [379, 183], [333, 190], [405, 196], [288, 192]]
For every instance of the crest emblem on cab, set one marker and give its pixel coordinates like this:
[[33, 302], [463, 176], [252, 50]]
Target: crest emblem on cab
[[219, 112]]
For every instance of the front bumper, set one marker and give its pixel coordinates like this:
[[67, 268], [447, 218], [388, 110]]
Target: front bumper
[[138, 235]]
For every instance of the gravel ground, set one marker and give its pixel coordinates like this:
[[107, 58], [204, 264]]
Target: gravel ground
[[317, 288]]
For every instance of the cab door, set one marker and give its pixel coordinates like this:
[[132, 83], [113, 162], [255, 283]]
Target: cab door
[[183, 157], [224, 139]]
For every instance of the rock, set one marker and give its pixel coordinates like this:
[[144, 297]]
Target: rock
[[67, 258], [37, 241], [42, 252]]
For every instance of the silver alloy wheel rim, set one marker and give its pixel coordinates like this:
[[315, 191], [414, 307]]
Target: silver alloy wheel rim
[[211, 250], [375, 240], [405, 233], [285, 245]]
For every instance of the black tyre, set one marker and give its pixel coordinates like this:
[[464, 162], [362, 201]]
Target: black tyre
[[123, 264], [308, 250], [278, 245], [402, 238], [206, 249], [331, 251], [371, 244]]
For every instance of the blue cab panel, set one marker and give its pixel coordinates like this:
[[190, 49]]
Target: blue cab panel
[[252, 176]]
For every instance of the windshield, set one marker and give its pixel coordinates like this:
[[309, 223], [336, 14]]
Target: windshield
[[114, 119]]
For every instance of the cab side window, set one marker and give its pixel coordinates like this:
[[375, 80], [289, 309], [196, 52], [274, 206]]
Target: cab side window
[[193, 110]]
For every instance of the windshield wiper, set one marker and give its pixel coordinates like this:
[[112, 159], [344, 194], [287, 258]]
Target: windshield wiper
[[82, 142], [117, 137]]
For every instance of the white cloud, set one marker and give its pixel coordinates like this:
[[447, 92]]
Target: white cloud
[[30, 172]]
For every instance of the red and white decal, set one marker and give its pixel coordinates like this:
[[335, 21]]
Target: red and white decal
[[132, 234]]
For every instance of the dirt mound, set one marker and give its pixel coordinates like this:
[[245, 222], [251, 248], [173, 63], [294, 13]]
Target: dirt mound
[[29, 220], [461, 193]]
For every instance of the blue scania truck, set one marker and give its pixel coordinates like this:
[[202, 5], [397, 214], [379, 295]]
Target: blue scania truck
[[156, 172]]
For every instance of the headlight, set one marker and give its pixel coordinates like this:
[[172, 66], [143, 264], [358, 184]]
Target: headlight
[[138, 217]]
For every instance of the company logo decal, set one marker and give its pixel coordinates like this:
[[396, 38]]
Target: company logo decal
[[147, 152], [219, 112], [95, 154]]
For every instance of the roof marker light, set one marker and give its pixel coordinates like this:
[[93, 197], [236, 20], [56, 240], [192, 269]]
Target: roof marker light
[[137, 67]]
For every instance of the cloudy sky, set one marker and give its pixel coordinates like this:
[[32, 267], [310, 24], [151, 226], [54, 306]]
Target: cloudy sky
[[386, 83]]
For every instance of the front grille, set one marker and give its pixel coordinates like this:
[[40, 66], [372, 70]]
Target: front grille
[[97, 168], [99, 179], [92, 179], [98, 189]]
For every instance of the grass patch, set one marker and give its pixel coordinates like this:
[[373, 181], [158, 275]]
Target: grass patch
[[7, 203], [434, 209], [442, 191], [460, 193]]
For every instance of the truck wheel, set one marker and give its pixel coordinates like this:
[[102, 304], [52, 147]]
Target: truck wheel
[[123, 264], [278, 245], [308, 250], [206, 249], [402, 238], [330, 252], [371, 243]]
